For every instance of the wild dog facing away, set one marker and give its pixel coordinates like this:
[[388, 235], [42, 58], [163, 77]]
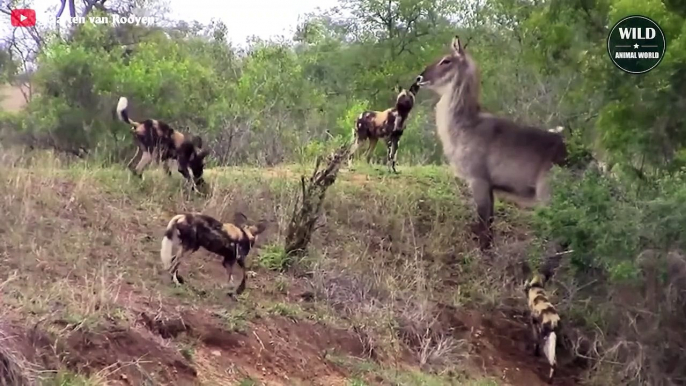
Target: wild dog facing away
[[388, 124], [156, 139], [492, 154], [232, 241], [544, 319]]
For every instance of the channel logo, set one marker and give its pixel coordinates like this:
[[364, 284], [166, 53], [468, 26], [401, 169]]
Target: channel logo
[[24, 17]]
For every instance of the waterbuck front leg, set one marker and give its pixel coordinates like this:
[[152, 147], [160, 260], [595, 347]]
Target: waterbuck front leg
[[482, 192]]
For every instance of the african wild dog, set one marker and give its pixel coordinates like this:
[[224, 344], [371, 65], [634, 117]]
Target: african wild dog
[[492, 154], [544, 319], [388, 124], [232, 241], [156, 139]]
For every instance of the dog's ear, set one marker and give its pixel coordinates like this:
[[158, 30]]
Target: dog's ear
[[257, 228], [196, 140], [203, 153], [239, 219]]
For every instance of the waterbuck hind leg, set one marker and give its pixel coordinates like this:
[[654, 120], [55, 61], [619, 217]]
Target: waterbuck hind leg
[[482, 192]]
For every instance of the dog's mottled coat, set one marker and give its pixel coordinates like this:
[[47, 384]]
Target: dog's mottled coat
[[232, 241]]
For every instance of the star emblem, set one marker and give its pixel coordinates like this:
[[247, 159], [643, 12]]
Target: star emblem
[[636, 46]]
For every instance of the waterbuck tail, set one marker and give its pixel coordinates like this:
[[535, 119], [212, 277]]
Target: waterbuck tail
[[171, 236], [122, 112], [549, 351]]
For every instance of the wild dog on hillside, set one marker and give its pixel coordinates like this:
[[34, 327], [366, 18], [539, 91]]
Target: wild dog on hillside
[[232, 241], [157, 140], [388, 125], [492, 154], [544, 320]]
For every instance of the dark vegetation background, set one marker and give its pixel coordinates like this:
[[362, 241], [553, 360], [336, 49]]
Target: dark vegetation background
[[543, 62]]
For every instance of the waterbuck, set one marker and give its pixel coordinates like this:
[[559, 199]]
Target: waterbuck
[[492, 154], [388, 125]]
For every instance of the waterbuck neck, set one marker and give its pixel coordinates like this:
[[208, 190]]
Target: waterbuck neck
[[458, 109]]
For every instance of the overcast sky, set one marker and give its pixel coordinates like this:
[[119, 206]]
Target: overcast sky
[[264, 18]]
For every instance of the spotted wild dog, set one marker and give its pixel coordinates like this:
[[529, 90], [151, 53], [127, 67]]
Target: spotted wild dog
[[493, 155], [191, 231], [544, 320], [388, 124], [157, 140]]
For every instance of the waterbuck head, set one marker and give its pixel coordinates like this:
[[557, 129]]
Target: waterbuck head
[[449, 71]]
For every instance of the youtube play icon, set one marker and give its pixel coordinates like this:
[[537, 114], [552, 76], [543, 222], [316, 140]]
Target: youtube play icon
[[23, 17]]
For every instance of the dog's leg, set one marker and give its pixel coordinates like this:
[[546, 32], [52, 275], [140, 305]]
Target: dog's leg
[[174, 269], [370, 150], [146, 158], [241, 287]]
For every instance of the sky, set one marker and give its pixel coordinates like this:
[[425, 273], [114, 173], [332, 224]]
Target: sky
[[264, 18]]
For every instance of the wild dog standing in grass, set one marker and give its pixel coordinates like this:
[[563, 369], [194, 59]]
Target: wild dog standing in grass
[[153, 137], [232, 241], [544, 319], [492, 154], [388, 124]]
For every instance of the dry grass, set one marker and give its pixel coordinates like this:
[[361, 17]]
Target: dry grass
[[392, 261]]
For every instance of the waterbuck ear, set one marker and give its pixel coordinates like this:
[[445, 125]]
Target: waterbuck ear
[[457, 46], [258, 228], [239, 219]]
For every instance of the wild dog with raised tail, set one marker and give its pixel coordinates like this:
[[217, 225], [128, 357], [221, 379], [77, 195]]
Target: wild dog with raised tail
[[156, 139], [388, 124], [492, 154], [544, 320], [190, 232]]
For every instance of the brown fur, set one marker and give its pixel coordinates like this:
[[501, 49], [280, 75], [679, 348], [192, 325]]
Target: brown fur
[[156, 140], [544, 319], [492, 154], [232, 241], [388, 124]]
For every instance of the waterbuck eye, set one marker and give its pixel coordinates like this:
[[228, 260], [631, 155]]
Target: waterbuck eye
[[444, 61]]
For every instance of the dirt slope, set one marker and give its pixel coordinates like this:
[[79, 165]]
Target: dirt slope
[[86, 299]]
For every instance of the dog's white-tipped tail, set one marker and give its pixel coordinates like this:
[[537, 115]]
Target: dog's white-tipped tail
[[557, 129], [549, 351], [171, 237], [121, 109]]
